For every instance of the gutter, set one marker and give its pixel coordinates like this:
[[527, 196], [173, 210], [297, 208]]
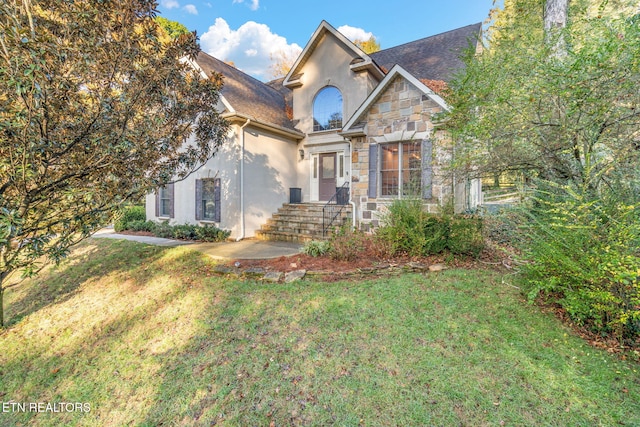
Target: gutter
[[264, 125], [351, 202], [242, 227]]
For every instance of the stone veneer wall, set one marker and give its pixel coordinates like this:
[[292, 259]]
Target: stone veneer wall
[[402, 107]]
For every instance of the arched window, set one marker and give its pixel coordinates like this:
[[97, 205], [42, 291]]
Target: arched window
[[327, 109]]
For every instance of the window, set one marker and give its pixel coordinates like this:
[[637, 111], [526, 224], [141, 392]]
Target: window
[[208, 199], [164, 201], [400, 169], [327, 109]]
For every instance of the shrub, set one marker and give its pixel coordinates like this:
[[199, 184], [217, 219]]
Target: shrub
[[345, 244], [405, 228], [128, 215], [465, 235], [581, 250], [316, 248], [163, 229], [141, 226], [184, 231], [409, 230], [210, 233]]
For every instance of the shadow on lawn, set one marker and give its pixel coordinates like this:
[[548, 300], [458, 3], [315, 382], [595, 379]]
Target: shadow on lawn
[[57, 284]]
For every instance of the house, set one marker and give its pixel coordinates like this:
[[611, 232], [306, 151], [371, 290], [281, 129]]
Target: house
[[340, 123]]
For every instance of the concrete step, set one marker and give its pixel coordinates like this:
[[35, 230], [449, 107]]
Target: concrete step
[[299, 222]]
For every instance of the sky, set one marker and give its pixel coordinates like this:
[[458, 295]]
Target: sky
[[251, 32]]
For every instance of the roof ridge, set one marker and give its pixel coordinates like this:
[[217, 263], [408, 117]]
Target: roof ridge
[[424, 38], [236, 69]]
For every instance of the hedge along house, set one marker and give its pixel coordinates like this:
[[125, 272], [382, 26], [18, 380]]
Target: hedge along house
[[341, 123]]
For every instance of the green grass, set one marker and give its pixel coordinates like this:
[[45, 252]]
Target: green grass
[[151, 336]]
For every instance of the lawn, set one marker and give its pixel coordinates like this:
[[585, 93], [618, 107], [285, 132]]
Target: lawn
[[152, 336]]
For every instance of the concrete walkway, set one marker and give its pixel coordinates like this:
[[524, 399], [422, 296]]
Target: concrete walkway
[[244, 249]]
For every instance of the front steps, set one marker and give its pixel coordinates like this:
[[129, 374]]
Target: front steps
[[299, 223]]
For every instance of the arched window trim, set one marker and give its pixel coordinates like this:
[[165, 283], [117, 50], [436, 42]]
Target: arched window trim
[[330, 110]]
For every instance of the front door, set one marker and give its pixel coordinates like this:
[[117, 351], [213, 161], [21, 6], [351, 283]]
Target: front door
[[327, 178]]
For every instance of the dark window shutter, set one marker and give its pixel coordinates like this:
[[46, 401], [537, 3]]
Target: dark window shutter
[[199, 212], [157, 203], [170, 191], [427, 168], [373, 171], [216, 200]]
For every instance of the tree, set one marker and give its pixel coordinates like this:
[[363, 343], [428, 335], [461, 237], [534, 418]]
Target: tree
[[555, 97], [94, 112], [574, 118], [281, 63], [174, 29], [368, 46]]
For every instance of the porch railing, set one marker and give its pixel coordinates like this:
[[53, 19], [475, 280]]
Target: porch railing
[[334, 207]]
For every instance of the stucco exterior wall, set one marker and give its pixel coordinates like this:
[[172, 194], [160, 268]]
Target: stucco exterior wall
[[269, 168], [329, 65]]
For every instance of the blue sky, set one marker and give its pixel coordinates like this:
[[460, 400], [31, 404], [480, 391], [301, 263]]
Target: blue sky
[[250, 32]]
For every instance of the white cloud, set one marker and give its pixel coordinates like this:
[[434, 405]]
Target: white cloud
[[353, 33], [170, 4], [255, 4], [191, 9], [250, 47]]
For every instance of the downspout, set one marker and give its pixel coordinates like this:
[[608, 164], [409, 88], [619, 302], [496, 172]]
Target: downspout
[[242, 228], [351, 202]]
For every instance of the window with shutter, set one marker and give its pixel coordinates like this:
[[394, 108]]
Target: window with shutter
[[164, 201], [206, 199], [401, 169]]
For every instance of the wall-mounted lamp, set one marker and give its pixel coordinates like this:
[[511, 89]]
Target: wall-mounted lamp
[[301, 151]]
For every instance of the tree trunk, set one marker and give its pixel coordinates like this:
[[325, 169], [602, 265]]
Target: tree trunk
[[1, 302], [3, 275], [555, 19]]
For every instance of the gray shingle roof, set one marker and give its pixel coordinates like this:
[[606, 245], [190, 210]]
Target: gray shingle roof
[[246, 94], [434, 58]]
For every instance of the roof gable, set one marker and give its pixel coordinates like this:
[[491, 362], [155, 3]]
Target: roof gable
[[361, 61], [352, 123], [431, 58]]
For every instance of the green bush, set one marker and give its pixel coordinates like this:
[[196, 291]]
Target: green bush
[[163, 229], [129, 214], [210, 233], [465, 235], [582, 251], [409, 230], [185, 231], [316, 248], [141, 226]]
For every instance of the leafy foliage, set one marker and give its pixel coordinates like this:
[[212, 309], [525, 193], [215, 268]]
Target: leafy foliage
[[371, 45], [316, 248], [585, 252], [129, 215], [409, 229], [572, 119], [94, 110]]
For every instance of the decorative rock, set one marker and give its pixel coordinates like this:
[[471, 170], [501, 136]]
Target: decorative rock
[[417, 266], [273, 276], [436, 267], [223, 269], [292, 276], [254, 270]]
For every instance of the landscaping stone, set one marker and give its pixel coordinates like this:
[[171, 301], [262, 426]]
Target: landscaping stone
[[254, 270], [273, 276], [292, 276], [437, 267], [223, 269], [417, 266]]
